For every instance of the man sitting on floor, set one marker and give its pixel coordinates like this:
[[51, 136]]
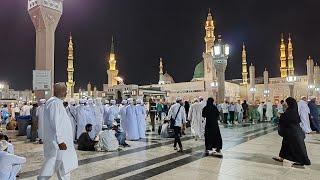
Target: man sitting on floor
[[85, 143], [10, 146], [10, 164]]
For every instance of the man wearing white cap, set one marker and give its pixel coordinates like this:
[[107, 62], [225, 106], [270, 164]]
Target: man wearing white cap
[[304, 112], [122, 114], [141, 113], [131, 122], [81, 117], [113, 113], [99, 110], [72, 113], [197, 121], [10, 164], [59, 153], [106, 111], [91, 117], [40, 115], [178, 114]]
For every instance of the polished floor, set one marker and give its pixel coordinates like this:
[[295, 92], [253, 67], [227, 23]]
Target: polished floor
[[247, 153]]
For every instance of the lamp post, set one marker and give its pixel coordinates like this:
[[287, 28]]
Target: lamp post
[[291, 80], [220, 55], [252, 91], [214, 85], [266, 93]]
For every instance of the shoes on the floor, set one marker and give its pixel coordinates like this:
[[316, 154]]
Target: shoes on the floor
[[180, 150], [175, 148], [277, 159]]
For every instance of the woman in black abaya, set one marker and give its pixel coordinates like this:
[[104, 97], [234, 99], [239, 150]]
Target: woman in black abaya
[[293, 147], [212, 132]]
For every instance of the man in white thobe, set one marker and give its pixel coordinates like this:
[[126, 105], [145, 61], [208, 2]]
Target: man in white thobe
[[113, 113], [304, 112], [197, 121], [142, 114], [59, 153], [99, 110], [72, 113], [10, 164], [122, 114], [40, 115], [269, 110], [81, 117], [91, 117], [106, 111], [239, 111], [131, 122], [260, 110]]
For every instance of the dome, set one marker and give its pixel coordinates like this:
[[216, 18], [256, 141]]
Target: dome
[[167, 78], [198, 71]]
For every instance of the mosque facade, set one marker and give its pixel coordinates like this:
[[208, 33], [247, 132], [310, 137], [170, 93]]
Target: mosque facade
[[207, 72]]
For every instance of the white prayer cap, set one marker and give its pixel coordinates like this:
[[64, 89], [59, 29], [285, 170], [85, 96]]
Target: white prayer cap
[[113, 102], [82, 101], [124, 101], [42, 101], [178, 99], [72, 102], [3, 145], [303, 97], [106, 101], [130, 100], [139, 101], [312, 97], [90, 101]]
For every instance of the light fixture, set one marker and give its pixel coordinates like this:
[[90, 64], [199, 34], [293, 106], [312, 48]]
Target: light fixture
[[291, 79], [253, 90], [311, 86], [217, 49], [226, 49]]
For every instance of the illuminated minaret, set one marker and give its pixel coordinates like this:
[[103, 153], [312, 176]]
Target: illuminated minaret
[[70, 83], [209, 38], [161, 72], [244, 66], [112, 71], [283, 59], [290, 58]]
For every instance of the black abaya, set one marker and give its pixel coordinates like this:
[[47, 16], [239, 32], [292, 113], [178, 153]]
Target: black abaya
[[212, 132], [293, 147]]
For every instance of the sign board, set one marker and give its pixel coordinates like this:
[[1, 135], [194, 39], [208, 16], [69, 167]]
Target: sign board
[[41, 80]]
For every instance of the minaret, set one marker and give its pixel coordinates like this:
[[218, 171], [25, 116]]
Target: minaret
[[209, 38], [310, 75], [70, 83], [45, 16], [161, 72], [112, 71], [283, 59], [244, 66], [252, 74], [290, 58], [89, 89]]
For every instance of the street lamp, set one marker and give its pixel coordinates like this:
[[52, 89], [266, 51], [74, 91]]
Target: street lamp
[[291, 80], [266, 93], [252, 90], [220, 53]]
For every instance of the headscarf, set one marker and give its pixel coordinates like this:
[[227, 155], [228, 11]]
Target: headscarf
[[210, 102], [291, 115]]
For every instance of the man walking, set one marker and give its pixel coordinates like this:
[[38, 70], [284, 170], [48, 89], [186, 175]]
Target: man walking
[[178, 114], [59, 153]]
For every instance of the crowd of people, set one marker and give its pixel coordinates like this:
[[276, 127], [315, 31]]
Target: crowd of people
[[97, 126]]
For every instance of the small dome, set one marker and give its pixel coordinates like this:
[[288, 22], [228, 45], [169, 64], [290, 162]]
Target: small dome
[[167, 78], [198, 71]]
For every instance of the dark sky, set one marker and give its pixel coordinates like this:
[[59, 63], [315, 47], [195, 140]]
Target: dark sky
[[148, 29]]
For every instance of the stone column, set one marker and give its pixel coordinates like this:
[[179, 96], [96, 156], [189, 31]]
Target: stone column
[[310, 74], [45, 16], [266, 84], [252, 82]]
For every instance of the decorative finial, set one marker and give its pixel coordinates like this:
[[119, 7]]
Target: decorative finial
[[265, 69], [112, 46], [209, 11], [70, 36], [282, 39], [251, 64], [243, 46]]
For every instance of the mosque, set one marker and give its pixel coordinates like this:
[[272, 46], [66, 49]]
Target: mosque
[[209, 78]]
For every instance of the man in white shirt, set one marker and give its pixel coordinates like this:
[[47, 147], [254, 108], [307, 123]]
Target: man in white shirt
[[10, 164], [178, 113], [25, 110], [225, 110], [59, 153]]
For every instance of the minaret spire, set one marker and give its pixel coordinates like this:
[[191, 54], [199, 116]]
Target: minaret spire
[[283, 58], [112, 71], [70, 70], [209, 38], [244, 65], [290, 57], [161, 67]]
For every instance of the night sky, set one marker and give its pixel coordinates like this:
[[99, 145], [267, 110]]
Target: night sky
[[148, 29]]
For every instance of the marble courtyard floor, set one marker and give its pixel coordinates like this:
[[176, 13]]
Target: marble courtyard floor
[[247, 153]]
